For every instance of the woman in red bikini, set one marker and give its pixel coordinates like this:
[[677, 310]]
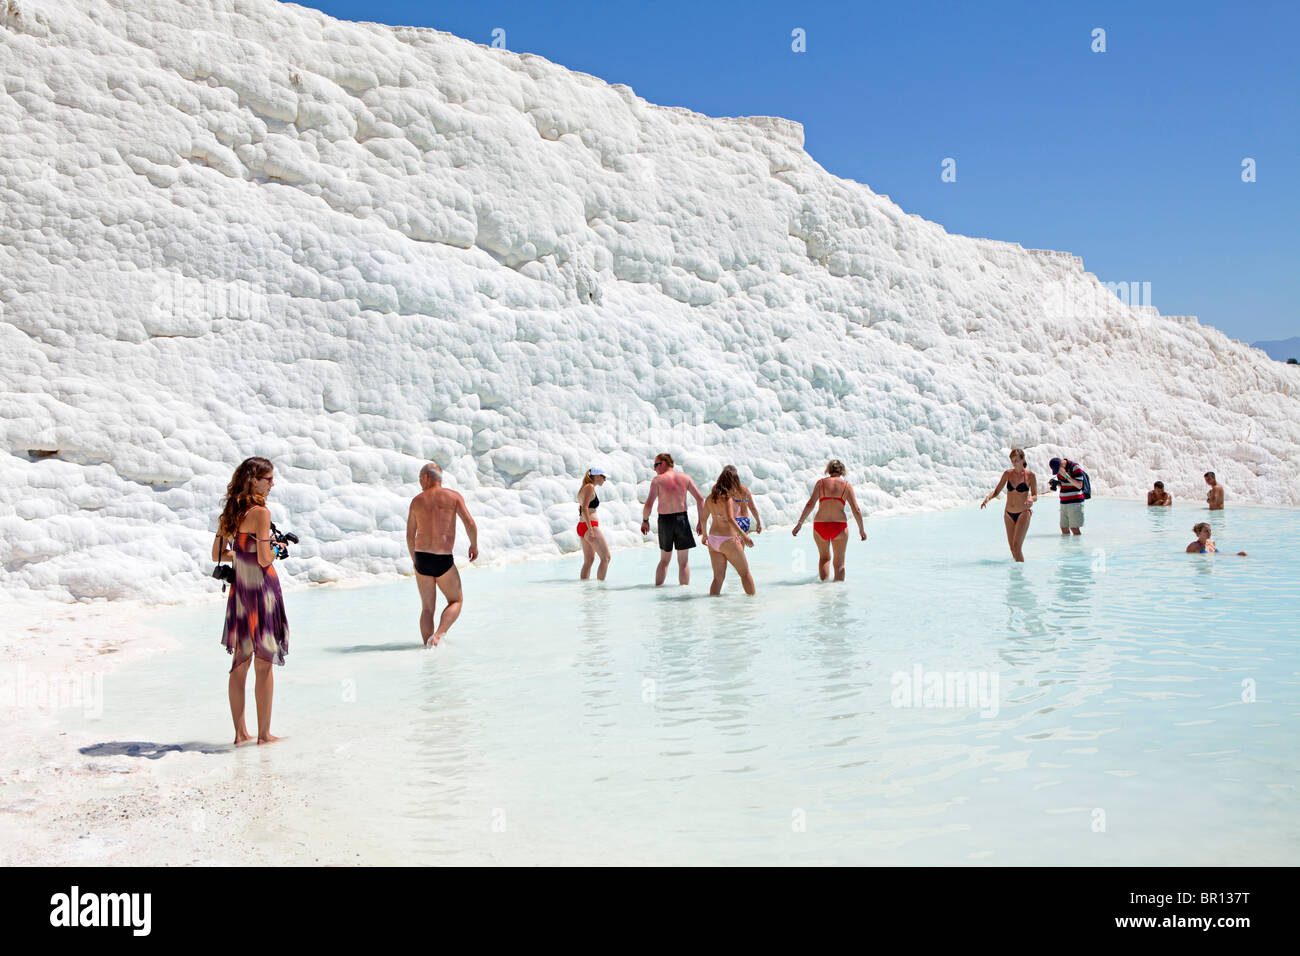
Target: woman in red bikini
[[726, 541], [589, 533], [831, 528], [1022, 492]]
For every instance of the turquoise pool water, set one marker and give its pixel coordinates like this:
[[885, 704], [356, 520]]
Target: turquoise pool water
[[1111, 701]]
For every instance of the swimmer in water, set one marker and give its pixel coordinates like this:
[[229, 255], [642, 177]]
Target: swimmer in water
[[430, 535], [1157, 497], [1203, 543], [1213, 497], [589, 533], [1022, 492], [670, 488], [725, 538], [831, 526]]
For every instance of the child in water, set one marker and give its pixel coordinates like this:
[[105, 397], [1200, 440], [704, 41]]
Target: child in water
[[1203, 544]]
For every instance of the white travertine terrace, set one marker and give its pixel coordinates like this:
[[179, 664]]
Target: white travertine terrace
[[242, 227]]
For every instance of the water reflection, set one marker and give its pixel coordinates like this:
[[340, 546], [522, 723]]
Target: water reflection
[[1074, 576], [594, 661], [1026, 626]]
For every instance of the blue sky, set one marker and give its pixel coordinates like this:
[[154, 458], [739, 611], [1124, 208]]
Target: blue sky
[[1131, 158]]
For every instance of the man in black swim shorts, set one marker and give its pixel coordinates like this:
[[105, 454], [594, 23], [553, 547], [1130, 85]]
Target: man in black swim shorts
[[670, 488], [430, 536]]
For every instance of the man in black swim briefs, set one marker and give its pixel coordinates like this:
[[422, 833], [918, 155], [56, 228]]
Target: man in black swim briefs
[[430, 537], [670, 488]]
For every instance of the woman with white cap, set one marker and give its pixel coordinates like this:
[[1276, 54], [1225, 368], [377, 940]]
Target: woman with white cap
[[589, 533]]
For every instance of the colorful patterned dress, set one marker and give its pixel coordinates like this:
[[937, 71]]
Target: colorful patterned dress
[[255, 621]]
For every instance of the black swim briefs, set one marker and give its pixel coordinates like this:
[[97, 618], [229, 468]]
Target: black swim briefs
[[675, 532], [434, 565]]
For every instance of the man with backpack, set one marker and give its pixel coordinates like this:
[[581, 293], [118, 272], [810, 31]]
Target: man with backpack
[[1072, 482]]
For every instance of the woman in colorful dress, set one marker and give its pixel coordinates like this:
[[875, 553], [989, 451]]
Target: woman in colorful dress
[[256, 628]]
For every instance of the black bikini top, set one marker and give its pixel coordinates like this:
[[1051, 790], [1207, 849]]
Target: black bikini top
[[593, 504], [1022, 487]]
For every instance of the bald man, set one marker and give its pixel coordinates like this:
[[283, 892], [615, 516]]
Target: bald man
[[430, 536]]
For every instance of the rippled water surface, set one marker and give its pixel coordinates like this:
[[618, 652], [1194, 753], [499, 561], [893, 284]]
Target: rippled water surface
[[1139, 703]]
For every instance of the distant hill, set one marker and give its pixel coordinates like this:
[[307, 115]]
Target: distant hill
[[1282, 349]]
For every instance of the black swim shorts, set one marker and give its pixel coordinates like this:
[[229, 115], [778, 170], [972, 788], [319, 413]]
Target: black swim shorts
[[434, 565], [675, 532]]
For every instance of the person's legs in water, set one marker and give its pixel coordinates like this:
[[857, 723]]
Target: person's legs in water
[[661, 569], [684, 566], [1018, 537], [1072, 516], [588, 555], [428, 604], [601, 548], [734, 552], [823, 557], [840, 545], [1011, 531], [719, 571], [449, 585], [238, 680], [263, 689]]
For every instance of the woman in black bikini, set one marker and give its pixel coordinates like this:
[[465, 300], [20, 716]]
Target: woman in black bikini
[[589, 533], [1022, 492]]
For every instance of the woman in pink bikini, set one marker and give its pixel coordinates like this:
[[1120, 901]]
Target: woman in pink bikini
[[726, 541], [831, 528]]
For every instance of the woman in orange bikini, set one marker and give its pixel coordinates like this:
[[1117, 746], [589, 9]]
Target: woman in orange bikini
[[726, 541], [831, 528], [1022, 492]]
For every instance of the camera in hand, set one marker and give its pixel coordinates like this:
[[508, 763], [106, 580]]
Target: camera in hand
[[1053, 484], [280, 541]]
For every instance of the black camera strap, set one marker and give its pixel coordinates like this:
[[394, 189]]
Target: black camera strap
[[221, 551]]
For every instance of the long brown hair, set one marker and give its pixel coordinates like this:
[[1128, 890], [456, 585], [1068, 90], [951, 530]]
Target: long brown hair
[[728, 483], [240, 495]]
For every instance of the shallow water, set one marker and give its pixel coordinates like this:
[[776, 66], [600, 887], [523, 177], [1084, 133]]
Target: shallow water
[[566, 721]]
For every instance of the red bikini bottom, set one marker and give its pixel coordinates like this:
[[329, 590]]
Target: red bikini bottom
[[830, 529]]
